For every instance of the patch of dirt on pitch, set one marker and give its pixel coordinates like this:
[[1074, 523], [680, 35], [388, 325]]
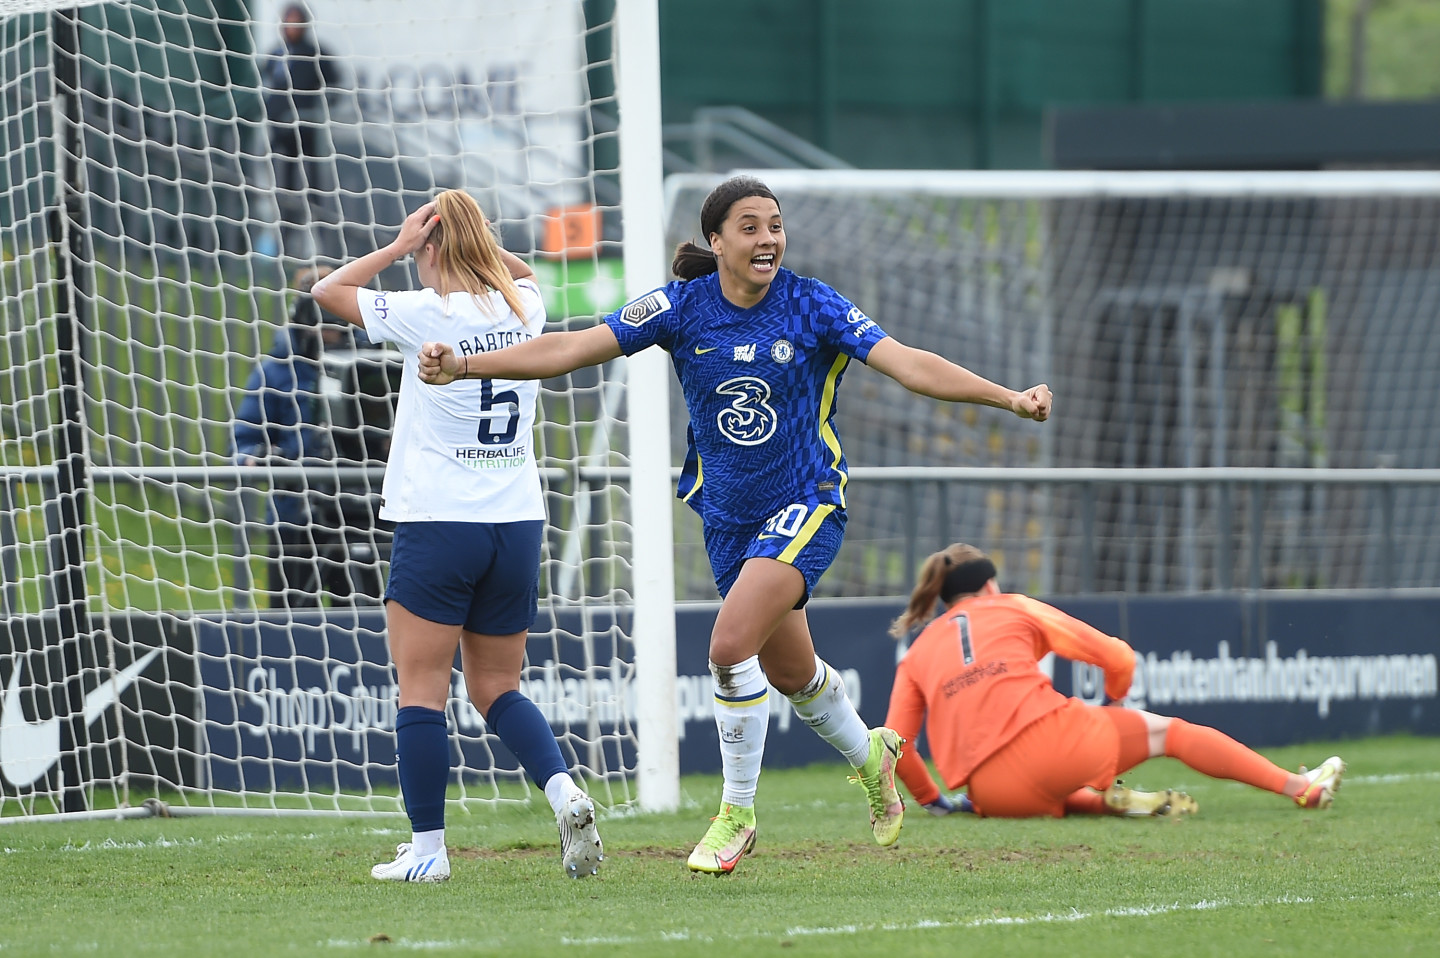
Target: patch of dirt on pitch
[[957, 857], [521, 852], [855, 852], [655, 852]]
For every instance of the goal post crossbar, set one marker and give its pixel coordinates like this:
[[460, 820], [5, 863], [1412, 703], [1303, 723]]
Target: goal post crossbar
[[1220, 322], [1054, 184]]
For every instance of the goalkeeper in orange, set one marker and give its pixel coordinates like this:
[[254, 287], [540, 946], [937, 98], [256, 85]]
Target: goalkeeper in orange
[[994, 722]]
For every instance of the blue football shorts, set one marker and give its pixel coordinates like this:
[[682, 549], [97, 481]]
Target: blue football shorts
[[806, 535], [482, 575]]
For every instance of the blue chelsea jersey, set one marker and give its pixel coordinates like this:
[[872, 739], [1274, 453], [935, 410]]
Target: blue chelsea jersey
[[760, 385]]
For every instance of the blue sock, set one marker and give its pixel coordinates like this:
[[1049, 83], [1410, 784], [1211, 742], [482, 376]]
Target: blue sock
[[422, 750], [525, 732]]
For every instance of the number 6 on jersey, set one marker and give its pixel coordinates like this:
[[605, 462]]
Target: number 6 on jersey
[[489, 399]]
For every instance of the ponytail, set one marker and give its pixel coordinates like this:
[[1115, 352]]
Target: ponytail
[[938, 572], [469, 252], [693, 261]]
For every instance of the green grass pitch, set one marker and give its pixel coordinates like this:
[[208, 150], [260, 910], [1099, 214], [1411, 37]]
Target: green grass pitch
[[1250, 875]]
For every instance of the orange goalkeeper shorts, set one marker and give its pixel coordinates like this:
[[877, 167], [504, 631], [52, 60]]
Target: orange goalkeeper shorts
[[1072, 747]]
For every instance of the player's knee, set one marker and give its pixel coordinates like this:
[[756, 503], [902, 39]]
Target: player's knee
[[1158, 727], [734, 678], [730, 646]]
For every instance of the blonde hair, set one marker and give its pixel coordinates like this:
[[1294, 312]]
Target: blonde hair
[[927, 590], [469, 252]]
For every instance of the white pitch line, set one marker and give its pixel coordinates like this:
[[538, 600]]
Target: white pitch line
[[1074, 915], [1398, 779], [111, 844]]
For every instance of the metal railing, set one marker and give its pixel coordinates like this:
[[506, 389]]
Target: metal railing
[[586, 481], [725, 137], [1226, 482]]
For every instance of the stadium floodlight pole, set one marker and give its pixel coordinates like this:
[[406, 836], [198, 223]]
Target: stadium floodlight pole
[[67, 240], [648, 407]]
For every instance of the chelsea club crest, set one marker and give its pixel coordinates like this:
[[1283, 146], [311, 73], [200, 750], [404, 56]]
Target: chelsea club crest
[[782, 351]]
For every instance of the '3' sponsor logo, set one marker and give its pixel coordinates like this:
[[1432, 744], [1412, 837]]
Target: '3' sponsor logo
[[749, 419]]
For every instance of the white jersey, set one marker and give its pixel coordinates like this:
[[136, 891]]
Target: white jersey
[[462, 452]]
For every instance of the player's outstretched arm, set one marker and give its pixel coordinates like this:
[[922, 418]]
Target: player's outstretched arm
[[927, 374], [552, 354]]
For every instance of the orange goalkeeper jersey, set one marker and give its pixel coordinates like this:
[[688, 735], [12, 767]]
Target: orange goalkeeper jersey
[[975, 672]]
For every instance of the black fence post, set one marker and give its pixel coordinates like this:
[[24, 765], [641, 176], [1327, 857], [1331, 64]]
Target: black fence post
[[65, 222]]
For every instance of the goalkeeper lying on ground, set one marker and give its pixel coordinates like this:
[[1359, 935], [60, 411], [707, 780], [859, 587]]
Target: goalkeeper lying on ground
[[994, 722]]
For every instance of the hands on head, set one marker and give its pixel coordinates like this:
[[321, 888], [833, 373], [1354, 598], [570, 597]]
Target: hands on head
[[416, 229], [1033, 403], [439, 366]]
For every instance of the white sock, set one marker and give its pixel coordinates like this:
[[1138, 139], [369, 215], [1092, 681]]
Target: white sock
[[560, 789], [823, 705], [742, 713], [427, 843]]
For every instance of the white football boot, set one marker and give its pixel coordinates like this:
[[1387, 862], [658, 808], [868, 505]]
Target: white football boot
[[1324, 782], [409, 866], [580, 849]]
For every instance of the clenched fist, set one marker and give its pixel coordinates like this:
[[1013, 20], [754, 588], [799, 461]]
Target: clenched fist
[[1033, 403], [439, 366]]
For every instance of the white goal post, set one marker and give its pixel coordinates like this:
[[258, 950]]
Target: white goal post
[[167, 633], [182, 627]]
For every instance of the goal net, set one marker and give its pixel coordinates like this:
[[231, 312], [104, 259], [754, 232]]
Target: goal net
[[193, 565], [1183, 321]]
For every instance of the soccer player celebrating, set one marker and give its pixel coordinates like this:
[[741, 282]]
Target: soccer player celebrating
[[994, 722], [462, 484], [760, 353]]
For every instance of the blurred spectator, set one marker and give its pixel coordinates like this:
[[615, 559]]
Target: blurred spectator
[[283, 420], [296, 76], [361, 383]]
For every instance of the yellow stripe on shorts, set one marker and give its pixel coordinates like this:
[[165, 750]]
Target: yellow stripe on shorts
[[807, 532]]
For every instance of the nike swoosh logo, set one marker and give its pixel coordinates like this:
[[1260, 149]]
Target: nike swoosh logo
[[699, 351], [728, 864], [30, 749], [768, 535]]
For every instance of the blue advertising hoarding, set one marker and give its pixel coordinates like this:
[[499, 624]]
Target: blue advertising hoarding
[[309, 698], [1273, 670], [315, 690]]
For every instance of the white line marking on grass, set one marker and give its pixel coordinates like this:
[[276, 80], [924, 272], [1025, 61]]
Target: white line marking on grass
[[131, 844], [1399, 779], [1074, 915], [111, 844]]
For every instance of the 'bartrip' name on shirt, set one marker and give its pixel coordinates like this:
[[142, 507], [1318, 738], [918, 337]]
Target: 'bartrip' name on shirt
[[490, 342]]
